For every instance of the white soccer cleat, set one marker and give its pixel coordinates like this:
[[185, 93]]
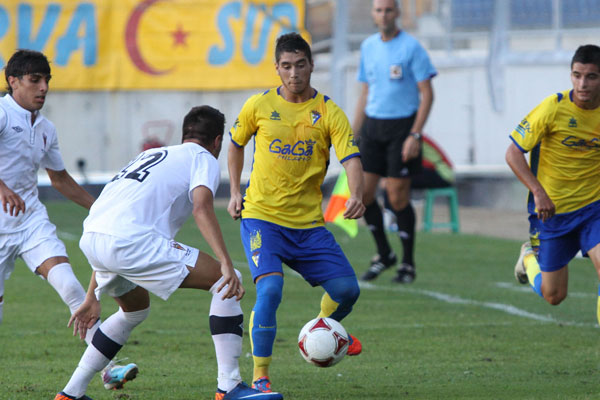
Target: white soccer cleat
[[114, 376], [520, 272]]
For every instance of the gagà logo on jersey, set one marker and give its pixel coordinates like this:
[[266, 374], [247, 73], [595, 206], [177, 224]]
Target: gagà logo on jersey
[[302, 150], [17, 129], [275, 116]]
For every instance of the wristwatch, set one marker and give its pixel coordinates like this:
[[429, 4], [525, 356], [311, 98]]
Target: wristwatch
[[416, 135]]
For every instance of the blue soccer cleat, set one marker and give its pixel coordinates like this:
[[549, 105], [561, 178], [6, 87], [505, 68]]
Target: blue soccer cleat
[[64, 396], [243, 391], [114, 376]]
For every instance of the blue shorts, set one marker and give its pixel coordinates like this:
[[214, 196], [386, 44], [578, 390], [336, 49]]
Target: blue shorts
[[563, 235], [313, 253]]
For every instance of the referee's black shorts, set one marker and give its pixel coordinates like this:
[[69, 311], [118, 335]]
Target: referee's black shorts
[[380, 146]]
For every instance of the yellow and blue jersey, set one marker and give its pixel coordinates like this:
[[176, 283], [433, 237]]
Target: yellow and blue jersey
[[564, 141], [292, 144]]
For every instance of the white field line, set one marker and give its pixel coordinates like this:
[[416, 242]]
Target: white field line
[[506, 308], [527, 289]]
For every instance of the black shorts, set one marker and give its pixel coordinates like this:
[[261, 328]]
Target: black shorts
[[381, 143]]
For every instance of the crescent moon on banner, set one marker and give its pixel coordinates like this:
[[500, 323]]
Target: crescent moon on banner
[[131, 42]]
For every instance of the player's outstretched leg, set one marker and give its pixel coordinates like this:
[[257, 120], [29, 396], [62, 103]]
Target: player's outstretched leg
[[263, 328], [337, 302], [107, 341]]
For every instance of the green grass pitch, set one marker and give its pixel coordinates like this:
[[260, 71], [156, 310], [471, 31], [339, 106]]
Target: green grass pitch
[[464, 330]]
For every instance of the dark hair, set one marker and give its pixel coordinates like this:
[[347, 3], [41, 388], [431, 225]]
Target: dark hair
[[587, 54], [203, 123], [24, 62], [292, 43]]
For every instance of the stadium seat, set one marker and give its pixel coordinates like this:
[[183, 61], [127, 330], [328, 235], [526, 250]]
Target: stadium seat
[[430, 196]]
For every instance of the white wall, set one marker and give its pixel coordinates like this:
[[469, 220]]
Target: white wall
[[105, 128]]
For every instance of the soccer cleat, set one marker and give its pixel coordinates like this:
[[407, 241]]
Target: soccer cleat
[[63, 396], [114, 376], [406, 274], [243, 391], [378, 265], [355, 347], [520, 273], [262, 384]]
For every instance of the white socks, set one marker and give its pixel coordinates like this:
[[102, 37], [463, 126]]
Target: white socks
[[226, 325]]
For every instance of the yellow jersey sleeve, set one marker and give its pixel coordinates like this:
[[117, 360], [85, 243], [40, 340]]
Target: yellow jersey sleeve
[[245, 125], [342, 136], [564, 145]]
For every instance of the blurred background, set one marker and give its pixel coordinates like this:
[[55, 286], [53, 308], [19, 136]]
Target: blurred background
[[126, 72]]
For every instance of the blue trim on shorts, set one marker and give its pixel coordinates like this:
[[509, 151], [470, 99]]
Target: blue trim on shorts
[[312, 252]]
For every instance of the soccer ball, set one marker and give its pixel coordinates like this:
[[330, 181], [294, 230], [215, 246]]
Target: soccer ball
[[323, 342]]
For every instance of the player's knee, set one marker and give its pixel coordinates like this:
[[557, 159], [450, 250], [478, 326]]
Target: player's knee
[[63, 280], [134, 318], [270, 289], [554, 297], [349, 294]]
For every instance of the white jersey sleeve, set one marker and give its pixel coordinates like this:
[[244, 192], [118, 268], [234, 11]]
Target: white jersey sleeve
[[52, 158], [205, 172], [3, 121]]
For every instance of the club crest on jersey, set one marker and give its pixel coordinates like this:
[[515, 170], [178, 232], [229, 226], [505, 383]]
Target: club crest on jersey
[[572, 123], [315, 116], [177, 246], [275, 116], [17, 129]]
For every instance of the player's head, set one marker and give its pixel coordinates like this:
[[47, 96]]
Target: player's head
[[585, 76], [205, 125], [292, 43], [385, 13], [294, 63], [27, 74]]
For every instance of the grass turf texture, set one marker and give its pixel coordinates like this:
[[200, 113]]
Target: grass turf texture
[[450, 335]]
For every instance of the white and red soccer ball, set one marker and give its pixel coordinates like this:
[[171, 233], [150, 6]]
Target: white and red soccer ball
[[323, 342]]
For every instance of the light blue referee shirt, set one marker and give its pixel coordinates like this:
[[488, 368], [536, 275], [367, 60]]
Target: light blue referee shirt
[[392, 70]]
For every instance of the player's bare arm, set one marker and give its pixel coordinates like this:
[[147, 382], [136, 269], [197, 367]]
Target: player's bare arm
[[517, 162], [66, 185], [88, 312], [359, 114], [206, 220], [354, 205], [235, 164], [12, 203], [412, 145]]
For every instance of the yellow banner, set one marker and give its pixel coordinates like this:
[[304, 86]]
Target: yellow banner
[[152, 44]]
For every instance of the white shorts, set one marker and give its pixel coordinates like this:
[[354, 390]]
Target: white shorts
[[34, 245], [153, 262]]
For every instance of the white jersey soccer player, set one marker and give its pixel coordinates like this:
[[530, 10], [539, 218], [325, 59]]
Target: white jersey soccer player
[[28, 141], [145, 205], [128, 239]]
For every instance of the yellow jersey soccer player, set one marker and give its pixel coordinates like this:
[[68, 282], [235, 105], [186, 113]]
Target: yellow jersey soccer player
[[293, 127], [562, 135]]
